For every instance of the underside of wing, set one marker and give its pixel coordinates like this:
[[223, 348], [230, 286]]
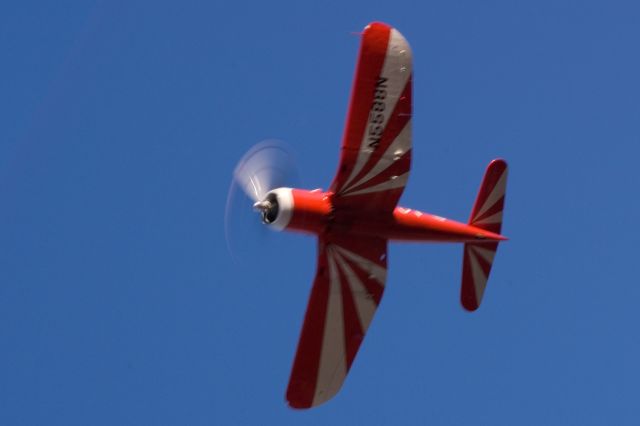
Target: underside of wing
[[376, 149], [346, 292]]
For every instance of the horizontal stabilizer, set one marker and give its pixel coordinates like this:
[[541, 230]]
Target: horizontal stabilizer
[[486, 214], [476, 266], [487, 210]]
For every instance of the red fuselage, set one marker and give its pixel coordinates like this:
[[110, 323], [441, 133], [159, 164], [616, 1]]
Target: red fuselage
[[313, 212]]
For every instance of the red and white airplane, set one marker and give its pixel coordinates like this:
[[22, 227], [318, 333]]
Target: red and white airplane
[[356, 218]]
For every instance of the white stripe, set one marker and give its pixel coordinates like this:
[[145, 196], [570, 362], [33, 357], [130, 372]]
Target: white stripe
[[397, 69], [485, 253], [376, 271], [496, 193], [494, 218], [333, 358], [400, 145], [398, 182], [365, 305], [479, 278]]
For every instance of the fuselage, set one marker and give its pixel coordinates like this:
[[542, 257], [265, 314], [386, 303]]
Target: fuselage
[[313, 212]]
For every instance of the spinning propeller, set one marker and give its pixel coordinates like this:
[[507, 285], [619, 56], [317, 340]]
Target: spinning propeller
[[266, 166]]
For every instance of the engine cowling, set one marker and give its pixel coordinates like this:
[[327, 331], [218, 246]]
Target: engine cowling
[[296, 209], [277, 208]]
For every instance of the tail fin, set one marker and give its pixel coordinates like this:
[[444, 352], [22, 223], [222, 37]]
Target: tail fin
[[486, 214]]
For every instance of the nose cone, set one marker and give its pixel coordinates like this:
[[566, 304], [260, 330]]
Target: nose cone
[[262, 206]]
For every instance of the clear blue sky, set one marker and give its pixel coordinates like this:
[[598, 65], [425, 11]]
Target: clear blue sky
[[122, 121]]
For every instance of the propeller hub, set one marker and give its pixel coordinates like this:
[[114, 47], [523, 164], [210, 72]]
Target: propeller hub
[[261, 206], [268, 208]]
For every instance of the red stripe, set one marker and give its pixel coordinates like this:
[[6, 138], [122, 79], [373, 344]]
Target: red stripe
[[491, 227], [304, 373], [468, 296], [373, 51]]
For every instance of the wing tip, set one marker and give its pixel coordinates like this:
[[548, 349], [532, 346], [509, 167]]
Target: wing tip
[[498, 165], [298, 396], [384, 31], [297, 405], [377, 25], [300, 400], [468, 304]]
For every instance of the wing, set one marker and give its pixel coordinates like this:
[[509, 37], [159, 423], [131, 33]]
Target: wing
[[346, 291], [376, 149]]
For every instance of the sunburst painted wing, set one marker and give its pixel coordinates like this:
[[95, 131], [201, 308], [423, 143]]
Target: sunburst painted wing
[[376, 149], [345, 294]]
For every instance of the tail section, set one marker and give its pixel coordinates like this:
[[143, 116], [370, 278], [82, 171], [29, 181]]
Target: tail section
[[487, 211], [486, 214]]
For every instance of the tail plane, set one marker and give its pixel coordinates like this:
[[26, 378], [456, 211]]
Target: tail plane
[[487, 215]]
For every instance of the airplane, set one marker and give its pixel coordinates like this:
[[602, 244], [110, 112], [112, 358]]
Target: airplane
[[358, 215]]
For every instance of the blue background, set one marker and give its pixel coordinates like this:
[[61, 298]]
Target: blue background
[[121, 123]]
